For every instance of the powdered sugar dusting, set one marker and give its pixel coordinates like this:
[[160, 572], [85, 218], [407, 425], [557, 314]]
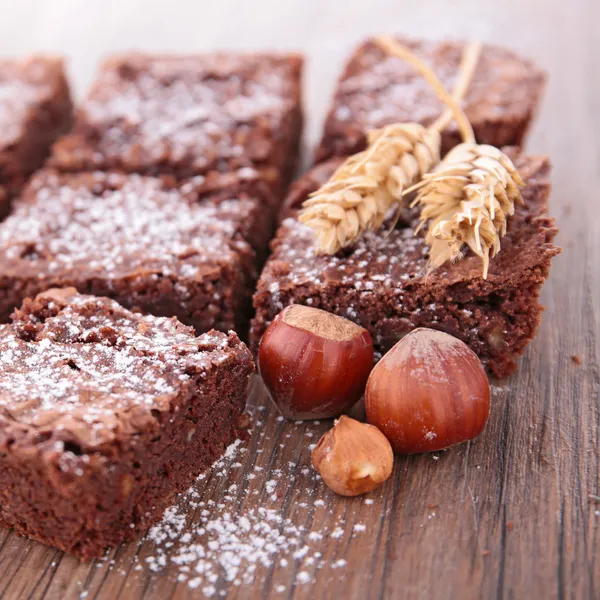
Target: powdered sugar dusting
[[376, 260], [90, 360], [112, 225], [380, 89], [194, 110]]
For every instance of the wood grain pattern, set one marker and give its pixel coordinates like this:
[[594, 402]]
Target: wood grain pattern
[[514, 512]]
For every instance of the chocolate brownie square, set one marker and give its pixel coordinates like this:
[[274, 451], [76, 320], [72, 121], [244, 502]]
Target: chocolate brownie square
[[149, 243], [377, 89], [105, 415], [35, 108], [381, 283], [190, 115]]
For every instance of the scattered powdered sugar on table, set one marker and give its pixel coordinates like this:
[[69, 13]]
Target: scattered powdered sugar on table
[[499, 389], [225, 542]]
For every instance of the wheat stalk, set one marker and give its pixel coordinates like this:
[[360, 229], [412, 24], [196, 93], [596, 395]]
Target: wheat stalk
[[364, 188], [361, 192], [468, 199]]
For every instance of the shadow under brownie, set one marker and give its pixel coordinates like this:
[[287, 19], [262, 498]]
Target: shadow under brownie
[[190, 115], [376, 89], [149, 243], [35, 108], [105, 415], [381, 282]]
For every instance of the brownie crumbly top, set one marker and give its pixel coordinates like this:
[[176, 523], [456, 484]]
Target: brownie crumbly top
[[87, 366], [189, 113], [25, 84], [377, 89], [112, 225], [398, 261]]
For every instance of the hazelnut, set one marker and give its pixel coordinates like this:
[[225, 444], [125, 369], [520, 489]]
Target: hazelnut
[[314, 364], [353, 458], [428, 392]]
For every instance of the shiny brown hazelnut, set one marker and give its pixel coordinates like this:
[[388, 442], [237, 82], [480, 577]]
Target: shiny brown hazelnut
[[314, 364], [428, 392]]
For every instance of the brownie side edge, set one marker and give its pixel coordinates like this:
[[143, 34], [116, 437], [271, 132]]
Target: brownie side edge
[[192, 302]]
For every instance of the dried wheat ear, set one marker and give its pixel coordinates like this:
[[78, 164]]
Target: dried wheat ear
[[467, 200], [366, 186]]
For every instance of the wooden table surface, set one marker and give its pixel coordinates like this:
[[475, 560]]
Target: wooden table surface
[[514, 514]]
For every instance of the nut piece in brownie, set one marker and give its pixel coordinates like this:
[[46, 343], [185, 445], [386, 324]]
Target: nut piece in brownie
[[377, 89], [190, 115], [35, 108], [150, 244], [381, 282], [105, 415]]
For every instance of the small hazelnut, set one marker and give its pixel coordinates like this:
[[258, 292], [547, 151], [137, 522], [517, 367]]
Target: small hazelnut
[[314, 364], [428, 392], [353, 458]]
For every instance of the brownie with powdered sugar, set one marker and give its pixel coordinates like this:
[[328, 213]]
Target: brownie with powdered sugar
[[377, 89], [150, 243], [189, 116], [105, 415]]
